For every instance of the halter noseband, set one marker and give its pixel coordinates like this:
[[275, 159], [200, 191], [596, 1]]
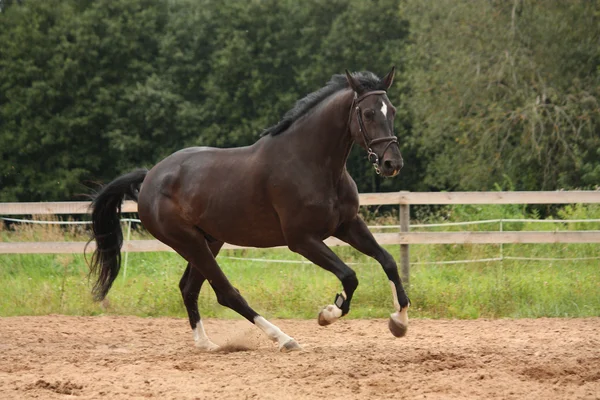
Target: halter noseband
[[371, 155]]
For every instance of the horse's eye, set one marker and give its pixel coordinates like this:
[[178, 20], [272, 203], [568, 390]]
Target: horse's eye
[[370, 114]]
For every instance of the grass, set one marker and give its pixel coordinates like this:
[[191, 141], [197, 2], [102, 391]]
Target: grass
[[44, 284]]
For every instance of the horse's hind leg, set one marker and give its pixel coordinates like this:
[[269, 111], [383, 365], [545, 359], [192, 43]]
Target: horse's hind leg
[[229, 296], [190, 285], [191, 244]]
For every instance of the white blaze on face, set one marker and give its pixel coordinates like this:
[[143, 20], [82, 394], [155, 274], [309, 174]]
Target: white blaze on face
[[384, 110]]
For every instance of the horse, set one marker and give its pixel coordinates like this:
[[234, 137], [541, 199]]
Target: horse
[[289, 188]]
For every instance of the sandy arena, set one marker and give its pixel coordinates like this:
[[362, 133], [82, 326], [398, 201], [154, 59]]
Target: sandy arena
[[58, 357]]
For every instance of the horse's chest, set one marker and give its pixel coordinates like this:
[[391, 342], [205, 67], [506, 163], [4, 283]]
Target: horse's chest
[[347, 210]]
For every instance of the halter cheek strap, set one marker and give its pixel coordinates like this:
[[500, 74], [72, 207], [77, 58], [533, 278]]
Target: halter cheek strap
[[371, 155]]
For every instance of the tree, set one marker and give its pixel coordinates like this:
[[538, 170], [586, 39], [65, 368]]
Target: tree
[[68, 68], [505, 89], [93, 89]]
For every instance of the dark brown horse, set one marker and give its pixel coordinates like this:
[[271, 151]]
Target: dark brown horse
[[290, 188]]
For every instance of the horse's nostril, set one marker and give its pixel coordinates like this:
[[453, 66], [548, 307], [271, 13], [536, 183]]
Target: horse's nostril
[[387, 164]]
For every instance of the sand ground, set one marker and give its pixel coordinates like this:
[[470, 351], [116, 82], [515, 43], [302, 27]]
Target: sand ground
[[58, 357]]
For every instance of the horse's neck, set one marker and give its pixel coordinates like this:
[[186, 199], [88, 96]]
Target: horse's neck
[[324, 136]]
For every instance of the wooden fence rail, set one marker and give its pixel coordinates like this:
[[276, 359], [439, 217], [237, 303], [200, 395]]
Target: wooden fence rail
[[366, 199], [404, 238]]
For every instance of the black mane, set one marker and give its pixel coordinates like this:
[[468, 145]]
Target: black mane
[[368, 81]]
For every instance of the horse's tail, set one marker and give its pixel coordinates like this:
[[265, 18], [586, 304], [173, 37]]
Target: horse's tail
[[106, 227]]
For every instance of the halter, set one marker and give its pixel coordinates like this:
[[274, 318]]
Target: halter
[[371, 155]]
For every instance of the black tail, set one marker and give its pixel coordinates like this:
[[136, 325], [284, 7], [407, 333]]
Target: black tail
[[106, 226]]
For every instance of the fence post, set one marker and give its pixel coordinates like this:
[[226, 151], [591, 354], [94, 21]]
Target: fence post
[[404, 250], [127, 250], [501, 245]]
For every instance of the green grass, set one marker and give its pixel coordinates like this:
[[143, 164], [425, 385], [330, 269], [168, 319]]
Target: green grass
[[44, 284]]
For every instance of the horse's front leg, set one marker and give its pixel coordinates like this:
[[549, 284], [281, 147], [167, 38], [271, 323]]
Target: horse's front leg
[[316, 251], [357, 234]]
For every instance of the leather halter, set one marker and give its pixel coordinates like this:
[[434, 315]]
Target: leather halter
[[371, 155]]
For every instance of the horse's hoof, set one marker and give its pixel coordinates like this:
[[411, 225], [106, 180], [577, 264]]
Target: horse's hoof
[[397, 328], [322, 320], [290, 345], [329, 315], [207, 346]]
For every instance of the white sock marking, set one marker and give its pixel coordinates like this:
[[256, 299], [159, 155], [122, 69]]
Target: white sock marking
[[201, 339], [401, 314], [395, 296], [384, 110], [273, 332], [331, 313]]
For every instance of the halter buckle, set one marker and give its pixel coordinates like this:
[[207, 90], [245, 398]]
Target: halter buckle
[[374, 159], [372, 156]]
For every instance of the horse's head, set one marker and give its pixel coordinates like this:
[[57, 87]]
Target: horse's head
[[372, 124]]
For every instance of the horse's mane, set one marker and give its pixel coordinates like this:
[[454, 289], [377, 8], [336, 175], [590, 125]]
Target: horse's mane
[[368, 81]]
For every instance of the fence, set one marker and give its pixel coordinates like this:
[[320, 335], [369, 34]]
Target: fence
[[402, 237]]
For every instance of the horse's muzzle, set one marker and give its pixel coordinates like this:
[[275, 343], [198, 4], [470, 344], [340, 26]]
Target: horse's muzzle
[[391, 167]]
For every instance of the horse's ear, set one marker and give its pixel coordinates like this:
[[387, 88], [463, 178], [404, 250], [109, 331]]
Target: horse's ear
[[389, 78], [353, 82]]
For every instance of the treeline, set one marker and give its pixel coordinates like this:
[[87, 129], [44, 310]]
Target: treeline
[[505, 92], [488, 92]]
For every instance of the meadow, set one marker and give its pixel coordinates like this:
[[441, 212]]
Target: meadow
[[289, 288]]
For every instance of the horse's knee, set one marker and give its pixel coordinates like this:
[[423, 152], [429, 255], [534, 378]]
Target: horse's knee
[[390, 268], [388, 262]]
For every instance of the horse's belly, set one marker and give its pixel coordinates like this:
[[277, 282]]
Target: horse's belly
[[259, 241], [243, 228]]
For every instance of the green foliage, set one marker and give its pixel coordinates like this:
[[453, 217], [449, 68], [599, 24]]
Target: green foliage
[[68, 68], [506, 88], [93, 89], [486, 91], [44, 284]]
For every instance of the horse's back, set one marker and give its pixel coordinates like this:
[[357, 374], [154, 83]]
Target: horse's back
[[221, 191]]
